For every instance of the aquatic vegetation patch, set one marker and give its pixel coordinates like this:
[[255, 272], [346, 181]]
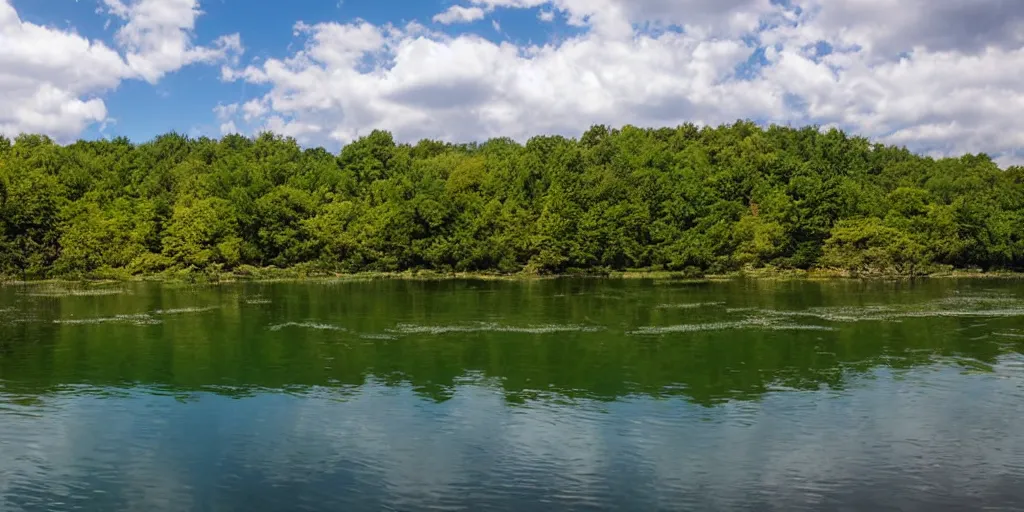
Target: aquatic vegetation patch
[[181, 311], [951, 307], [799, 327], [141, 319], [741, 310], [748, 323], [378, 336], [1009, 335], [57, 291], [136, 318], [985, 313], [493, 327], [307, 325], [710, 326], [694, 305], [965, 306], [976, 300], [837, 314]]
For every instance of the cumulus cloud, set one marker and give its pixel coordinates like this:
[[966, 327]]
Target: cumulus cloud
[[459, 14], [52, 80], [938, 76], [47, 77], [433, 85], [157, 36], [888, 27]]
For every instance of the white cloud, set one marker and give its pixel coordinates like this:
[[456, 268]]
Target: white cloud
[[937, 76], [468, 87], [48, 77], [157, 36], [224, 112], [459, 14], [253, 109], [888, 27], [52, 80]]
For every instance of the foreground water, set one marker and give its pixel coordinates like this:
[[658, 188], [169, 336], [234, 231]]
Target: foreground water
[[549, 395]]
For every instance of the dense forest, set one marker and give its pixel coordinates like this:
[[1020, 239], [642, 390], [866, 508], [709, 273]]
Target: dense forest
[[689, 199]]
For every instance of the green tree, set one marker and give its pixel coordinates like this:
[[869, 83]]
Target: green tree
[[698, 199], [866, 246], [202, 232]]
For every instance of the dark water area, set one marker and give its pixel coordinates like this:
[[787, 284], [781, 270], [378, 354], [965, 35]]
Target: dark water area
[[538, 395]]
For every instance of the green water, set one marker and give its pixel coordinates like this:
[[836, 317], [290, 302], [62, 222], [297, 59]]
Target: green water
[[541, 395]]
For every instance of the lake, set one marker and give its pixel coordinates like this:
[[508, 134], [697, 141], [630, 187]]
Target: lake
[[535, 395]]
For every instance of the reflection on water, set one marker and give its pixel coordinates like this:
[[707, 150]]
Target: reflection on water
[[550, 395]]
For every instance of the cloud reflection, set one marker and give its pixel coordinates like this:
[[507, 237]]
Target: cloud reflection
[[930, 438]]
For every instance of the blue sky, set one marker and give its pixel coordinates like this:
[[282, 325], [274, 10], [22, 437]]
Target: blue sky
[[326, 72], [184, 101]]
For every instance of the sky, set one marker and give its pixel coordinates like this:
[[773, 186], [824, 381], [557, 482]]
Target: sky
[[942, 77]]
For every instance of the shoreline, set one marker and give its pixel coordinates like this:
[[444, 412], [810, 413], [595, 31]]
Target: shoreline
[[292, 275]]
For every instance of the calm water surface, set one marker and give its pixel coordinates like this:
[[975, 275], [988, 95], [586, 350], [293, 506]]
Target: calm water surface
[[550, 395]]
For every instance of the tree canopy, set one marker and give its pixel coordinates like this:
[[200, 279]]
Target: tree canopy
[[696, 199]]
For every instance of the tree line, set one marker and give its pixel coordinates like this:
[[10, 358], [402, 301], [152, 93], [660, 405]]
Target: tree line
[[690, 199]]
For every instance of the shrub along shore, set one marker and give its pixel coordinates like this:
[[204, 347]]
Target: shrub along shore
[[275, 275], [684, 202]]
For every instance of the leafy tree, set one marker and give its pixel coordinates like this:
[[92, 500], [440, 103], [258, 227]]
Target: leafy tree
[[700, 199], [202, 232], [868, 246]]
